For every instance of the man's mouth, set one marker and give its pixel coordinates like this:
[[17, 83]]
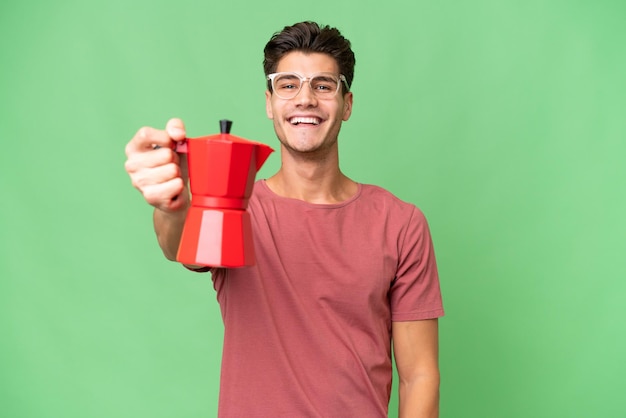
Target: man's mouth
[[297, 120]]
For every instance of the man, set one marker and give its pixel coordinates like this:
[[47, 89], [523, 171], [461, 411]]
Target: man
[[342, 267]]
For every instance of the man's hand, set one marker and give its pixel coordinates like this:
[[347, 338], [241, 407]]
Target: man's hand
[[156, 170]]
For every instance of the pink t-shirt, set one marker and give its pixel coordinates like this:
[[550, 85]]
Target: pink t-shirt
[[308, 328]]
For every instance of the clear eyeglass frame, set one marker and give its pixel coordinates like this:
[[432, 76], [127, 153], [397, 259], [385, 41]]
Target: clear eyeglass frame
[[323, 94]]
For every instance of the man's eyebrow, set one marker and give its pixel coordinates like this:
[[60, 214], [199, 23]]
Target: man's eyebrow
[[325, 77]]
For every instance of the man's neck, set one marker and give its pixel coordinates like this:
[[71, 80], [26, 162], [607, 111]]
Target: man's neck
[[317, 181]]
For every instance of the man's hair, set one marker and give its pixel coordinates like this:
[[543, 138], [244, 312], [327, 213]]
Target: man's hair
[[309, 37]]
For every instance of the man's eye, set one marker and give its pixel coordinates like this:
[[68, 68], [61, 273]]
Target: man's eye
[[287, 86], [324, 85]]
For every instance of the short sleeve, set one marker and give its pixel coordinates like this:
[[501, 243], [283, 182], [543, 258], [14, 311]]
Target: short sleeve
[[415, 292]]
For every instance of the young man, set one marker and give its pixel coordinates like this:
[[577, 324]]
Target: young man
[[342, 267]]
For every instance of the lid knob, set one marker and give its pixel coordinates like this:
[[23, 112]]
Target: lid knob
[[225, 125]]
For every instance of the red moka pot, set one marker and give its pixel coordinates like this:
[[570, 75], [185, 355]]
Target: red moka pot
[[222, 170]]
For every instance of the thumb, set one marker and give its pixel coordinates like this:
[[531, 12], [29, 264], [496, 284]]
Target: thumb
[[175, 128]]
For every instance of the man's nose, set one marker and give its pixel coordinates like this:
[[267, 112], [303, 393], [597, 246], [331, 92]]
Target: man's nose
[[306, 96]]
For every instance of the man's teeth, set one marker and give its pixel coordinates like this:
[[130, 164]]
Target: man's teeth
[[298, 120]]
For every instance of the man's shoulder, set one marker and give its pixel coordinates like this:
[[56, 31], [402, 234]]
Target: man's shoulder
[[372, 191], [390, 203]]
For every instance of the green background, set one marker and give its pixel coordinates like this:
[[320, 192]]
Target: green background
[[503, 120]]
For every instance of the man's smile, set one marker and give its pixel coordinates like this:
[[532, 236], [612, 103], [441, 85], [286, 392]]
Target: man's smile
[[308, 120]]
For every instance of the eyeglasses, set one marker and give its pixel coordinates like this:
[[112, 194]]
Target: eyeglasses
[[287, 85]]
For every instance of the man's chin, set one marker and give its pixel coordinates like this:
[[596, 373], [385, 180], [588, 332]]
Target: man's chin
[[307, 148]]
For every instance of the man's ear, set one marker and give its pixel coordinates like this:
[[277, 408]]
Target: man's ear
[[268, 104], [347, 105]]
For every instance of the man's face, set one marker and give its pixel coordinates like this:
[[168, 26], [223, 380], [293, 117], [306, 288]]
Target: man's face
[[308, 123]]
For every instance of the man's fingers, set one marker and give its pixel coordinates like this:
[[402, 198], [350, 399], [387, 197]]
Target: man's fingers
[[167, 196], [146, 139], [139, 160], [155, 169], [157, 175]]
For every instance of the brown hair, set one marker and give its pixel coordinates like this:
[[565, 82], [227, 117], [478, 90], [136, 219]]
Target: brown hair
[[309, 37]]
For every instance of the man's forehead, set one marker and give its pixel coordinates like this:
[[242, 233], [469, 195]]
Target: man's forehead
[[307, 63]]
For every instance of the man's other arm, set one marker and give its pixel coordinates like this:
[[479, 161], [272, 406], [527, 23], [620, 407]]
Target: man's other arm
[[416, 350]]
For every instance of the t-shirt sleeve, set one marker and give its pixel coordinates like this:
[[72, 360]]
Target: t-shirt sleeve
[[415, 292]]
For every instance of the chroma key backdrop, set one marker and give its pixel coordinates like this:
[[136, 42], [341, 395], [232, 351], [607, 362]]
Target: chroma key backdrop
[[504, 121]]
